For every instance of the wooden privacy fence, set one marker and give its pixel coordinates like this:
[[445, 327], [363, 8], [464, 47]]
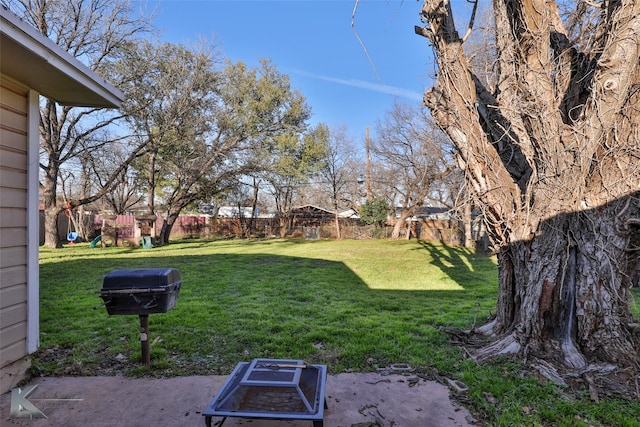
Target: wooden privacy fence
[[125, 230]]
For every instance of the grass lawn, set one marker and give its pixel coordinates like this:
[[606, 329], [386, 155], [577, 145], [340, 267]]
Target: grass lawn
[[352, 305]]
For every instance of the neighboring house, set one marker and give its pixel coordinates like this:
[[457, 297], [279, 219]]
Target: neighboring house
[[349, 214], [428, 213], [310, 215], [30, 65], [441, 224], [235, 212]]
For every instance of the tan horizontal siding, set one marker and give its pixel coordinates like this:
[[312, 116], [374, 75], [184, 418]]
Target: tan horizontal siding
[[13, 221], [10, 139], [14, 334], [13, 236], [13, 257], [8, 85], [12, 352], [13, 315], [13, 178], [13, 217], [14, 98], [13, 197], [12, 295], [10, 159], [12, 120]]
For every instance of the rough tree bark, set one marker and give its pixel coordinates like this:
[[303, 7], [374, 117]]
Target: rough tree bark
[[551, 154]]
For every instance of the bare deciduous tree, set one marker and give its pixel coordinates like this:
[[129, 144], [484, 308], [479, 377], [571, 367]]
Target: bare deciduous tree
[[551, 154], [338, 172], [417, 155], [93, 31]]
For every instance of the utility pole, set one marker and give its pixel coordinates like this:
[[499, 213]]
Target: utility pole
[[366, 140]]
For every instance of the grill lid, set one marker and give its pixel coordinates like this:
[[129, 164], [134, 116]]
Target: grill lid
[[142, 278]]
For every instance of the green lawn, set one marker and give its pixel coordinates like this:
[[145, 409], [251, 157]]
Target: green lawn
[[352, 305]]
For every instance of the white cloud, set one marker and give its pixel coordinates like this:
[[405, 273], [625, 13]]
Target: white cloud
[[391, 90]]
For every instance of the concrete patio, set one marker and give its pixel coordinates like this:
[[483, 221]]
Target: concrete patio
[[363, 400]]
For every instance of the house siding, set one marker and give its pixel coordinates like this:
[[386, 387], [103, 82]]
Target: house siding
[[14, 127], [30, 64]]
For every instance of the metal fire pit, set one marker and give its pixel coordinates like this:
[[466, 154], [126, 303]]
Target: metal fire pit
[[272, 389]]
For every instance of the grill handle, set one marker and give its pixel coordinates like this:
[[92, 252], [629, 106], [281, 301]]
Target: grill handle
[[131, 291]]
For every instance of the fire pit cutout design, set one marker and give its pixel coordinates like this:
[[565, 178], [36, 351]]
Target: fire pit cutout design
[[273, 389]]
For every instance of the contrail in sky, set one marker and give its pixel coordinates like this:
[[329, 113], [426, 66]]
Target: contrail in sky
[[391, 90]]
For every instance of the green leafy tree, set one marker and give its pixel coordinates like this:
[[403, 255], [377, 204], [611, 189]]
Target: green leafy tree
[[294, 159], [206, 126], [375, 212], [172, 93]]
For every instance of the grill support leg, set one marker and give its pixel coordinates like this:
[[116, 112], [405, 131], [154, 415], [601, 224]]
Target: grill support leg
[[207, 421], [144, 338]]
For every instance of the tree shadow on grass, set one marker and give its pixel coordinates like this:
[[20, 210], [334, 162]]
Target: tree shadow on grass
[[235, 307], [466, 267]]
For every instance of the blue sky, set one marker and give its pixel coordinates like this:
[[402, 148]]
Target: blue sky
[[314, 43]]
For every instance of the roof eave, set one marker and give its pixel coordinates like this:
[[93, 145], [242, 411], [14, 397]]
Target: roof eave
[[32, 59]]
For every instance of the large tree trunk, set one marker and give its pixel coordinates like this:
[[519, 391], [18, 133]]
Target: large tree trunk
[[556, 177], [565, 292], [165, 230], [401, 222], [51, 208], [51, 231]]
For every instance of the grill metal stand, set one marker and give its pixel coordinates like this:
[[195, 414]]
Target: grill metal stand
[[272, 389], [141, 291], [144, 339]]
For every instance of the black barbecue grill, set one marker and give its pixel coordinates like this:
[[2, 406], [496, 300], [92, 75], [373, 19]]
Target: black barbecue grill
[[142, 292], [272, 389]]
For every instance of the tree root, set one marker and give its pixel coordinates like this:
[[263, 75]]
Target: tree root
[[572, 357], [487, 329], [549, 372], [599, 380], [507, 345]]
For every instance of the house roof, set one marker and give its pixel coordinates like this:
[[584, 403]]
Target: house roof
[[429, 212], [235, 212], [32, 59], [313, 209]]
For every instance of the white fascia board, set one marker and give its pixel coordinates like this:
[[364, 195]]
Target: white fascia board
[[32, 59]]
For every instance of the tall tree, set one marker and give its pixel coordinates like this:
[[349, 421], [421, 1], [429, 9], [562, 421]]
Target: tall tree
[[419, 156], [551, 153], [207, 127], [338, 171], [93, 31], [295, 158], [172, 95]]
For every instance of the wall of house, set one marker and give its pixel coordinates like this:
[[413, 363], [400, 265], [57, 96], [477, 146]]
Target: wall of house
[[14, 125]]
